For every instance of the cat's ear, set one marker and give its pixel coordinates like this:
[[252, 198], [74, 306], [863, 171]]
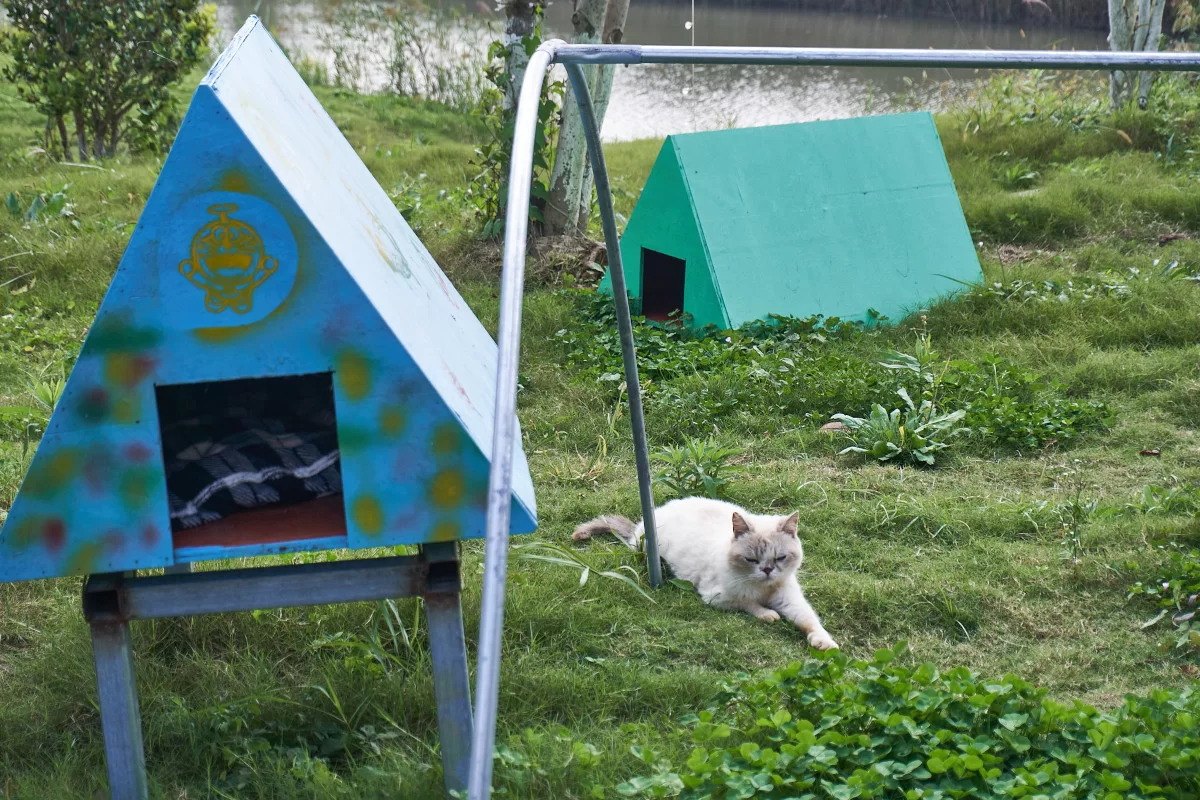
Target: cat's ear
[[740, 528], [788, 526]]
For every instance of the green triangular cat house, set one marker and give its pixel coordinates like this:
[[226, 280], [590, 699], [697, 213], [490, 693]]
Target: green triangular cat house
[[833, 218]]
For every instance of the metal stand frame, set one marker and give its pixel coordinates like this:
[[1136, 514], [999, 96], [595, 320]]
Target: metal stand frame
[[112, 601], [516, 229]]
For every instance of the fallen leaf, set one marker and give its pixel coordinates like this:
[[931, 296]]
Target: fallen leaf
[[1150, 453], [830, 427]]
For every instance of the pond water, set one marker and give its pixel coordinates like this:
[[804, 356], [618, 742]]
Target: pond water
[[656, 100]]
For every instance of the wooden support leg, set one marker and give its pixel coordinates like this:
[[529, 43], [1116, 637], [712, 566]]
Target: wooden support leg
[[112, 649], [451, 683], [179, 569]]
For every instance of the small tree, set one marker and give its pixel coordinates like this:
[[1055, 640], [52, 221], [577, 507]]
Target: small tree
[[99, 61]]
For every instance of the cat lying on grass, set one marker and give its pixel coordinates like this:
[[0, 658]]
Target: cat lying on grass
[[736, 560]]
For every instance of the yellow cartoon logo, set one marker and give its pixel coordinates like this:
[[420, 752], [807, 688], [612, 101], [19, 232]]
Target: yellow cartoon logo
[[229, 261]]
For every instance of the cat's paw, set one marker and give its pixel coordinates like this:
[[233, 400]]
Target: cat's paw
[[767, 615], [821, 640]]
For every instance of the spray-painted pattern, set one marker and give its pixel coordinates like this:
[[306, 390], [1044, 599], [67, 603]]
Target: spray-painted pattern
[[267, 249]]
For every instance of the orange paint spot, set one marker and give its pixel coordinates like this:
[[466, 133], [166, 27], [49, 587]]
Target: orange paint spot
[[149, 535], [114, 541], [367, 514], [220, 335], [446, 439], [127, 370], [353, 374], [447, 489], [126, 410], [51, 474], [234, 181], [24, 533], [392, 421], [445, 530], [84, 560]]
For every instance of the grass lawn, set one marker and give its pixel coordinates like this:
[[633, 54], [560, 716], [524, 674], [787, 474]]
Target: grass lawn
[[1003, 558]]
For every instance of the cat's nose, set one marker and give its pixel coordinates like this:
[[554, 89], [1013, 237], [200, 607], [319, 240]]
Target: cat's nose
[[767, 570]]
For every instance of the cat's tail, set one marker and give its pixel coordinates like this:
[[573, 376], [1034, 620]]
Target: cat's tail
[[621, 527]]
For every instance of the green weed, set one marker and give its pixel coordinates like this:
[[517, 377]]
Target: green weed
[[838, 728], [914, 435], [1176, 592], [695, 469]]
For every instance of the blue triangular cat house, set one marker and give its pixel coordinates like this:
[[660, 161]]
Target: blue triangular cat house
[[277, 348]]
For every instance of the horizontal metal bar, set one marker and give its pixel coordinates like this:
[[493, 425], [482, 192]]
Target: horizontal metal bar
[[111, 597], [876, 57]]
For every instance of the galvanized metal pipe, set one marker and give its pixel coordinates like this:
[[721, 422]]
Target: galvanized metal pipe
[[508, 339], [512, 278], [183, 595], [877, 57], [608, 218]]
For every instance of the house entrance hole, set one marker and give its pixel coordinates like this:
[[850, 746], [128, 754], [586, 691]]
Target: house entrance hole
[[251, 465], [662, 285]]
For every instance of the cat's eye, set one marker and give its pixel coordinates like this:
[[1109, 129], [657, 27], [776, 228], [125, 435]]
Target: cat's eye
[[751, 560], [780, 558]]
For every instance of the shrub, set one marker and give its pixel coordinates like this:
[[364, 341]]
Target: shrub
[[110, 66], [835, 728]]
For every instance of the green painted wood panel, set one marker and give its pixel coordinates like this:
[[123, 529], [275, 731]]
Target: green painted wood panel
[[831, 218], [665, 221]]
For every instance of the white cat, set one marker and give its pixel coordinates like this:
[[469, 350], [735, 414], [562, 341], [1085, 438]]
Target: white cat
[[736, 560]]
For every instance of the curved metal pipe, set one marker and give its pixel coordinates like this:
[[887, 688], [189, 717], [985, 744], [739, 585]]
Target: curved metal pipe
[[608, 218], [512, 278], [877, 57], [508, 340]]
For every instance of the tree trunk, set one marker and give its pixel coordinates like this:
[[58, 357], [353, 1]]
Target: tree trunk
[[1134, 25], [1146, 79], [521, 21], [62, 134], [81, 135], [100, 144], [566, 177], [614, 33], [114, 135]]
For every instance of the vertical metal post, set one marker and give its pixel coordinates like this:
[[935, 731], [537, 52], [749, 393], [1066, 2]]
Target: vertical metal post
[[112, 649], [451, 682], [516, 228], [621, 299]]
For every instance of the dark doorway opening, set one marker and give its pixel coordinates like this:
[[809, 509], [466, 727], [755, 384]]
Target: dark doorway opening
[[251, 463], [662, 285]]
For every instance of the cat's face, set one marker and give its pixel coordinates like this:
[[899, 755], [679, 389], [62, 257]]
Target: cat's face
[[765, 549]]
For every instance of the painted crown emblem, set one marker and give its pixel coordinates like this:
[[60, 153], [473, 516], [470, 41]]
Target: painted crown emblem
[[228, 261]]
